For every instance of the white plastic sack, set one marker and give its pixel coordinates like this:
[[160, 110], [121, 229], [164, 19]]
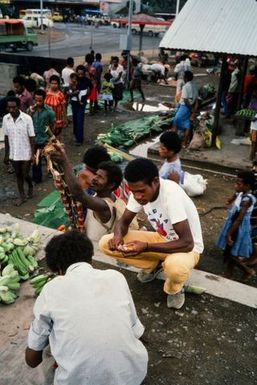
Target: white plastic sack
[[193, 185]]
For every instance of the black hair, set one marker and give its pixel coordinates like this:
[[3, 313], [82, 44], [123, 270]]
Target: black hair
[[81, 68], [10, 93], [183, 57], [98, 57], [20, 80], [115, 58], [95, 155], [70, 61], [114, 173], [89, 58], [14, 99], [30, 85], [107, 76], [247, 177], [68, 248], [188, 75], [40, 92], [141, 170], [135, 61], [171, 141], [55, 78], [74, 75]]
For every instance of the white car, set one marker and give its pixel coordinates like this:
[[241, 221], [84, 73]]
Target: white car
[[35, 22]]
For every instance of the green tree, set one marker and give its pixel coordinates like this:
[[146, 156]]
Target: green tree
[[168, 6]]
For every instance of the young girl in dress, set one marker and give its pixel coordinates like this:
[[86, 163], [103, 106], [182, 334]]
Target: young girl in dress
[[56, 100], [107, 89], [235, 236]]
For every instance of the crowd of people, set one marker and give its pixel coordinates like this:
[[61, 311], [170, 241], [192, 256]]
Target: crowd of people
[[113, 333], [109, 350]]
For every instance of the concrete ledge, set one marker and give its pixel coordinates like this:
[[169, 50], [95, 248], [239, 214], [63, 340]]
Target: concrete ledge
[[213, 284]]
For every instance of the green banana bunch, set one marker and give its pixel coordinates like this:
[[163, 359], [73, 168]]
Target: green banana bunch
[[24, 264], [9, 284], [40, 280], [7, 296], [19, 251]]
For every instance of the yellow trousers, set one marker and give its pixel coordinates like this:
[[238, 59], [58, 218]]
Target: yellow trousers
[[177, 266]]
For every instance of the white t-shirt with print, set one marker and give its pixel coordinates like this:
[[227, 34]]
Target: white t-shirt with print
[[19, 132], [172, 206]]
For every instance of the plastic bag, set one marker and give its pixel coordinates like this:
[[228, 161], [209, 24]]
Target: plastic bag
[[194, 185]]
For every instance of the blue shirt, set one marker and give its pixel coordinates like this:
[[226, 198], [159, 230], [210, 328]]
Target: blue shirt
[[168, 167]]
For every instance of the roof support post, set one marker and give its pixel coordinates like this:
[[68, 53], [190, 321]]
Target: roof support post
[[218, 101], [243, 68]]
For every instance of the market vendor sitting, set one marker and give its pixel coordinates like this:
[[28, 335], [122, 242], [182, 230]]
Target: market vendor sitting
[[100, 214], [176, 241], [187, 105]]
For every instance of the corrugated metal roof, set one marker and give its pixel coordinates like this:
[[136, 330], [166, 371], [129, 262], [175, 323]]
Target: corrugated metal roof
[[224, 26]]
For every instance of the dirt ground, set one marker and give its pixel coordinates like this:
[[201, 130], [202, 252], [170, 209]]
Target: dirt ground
[[209, 341]]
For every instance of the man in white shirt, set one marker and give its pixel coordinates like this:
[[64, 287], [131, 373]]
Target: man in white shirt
[[19, 139], [180, 68], [67, 71], [89, 319], [187, 106], [177, 239]]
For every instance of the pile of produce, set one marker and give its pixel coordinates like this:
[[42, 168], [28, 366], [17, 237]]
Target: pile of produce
[[17, 260], [207, 91], [9, 284], [127, 134], [40, 280]]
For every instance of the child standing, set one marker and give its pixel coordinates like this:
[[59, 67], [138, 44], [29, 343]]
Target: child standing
[[235, 236], [170, 146], [107, 89]]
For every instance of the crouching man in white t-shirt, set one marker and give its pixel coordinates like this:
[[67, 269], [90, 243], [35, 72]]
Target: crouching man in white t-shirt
[[177, 239]]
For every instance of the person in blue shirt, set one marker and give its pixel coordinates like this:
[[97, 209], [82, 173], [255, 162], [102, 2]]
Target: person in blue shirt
[[98, 70], [78, 106]]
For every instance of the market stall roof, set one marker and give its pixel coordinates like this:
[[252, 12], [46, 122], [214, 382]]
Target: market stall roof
[[220, 26], [143, 18]]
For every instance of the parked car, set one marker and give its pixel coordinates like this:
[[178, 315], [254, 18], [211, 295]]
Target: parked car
[[14, 35], [56, 16], [98, 19], [36, 21], [115, 24], [150, 29]]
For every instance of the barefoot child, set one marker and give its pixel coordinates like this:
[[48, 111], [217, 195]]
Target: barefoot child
[[107, 89], [235, 236]]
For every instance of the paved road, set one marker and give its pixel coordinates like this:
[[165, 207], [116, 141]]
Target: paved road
[[79, 39]]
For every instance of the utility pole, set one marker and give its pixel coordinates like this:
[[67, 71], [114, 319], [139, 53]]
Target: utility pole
[[177, 7], [41, 15], [129, 36]]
